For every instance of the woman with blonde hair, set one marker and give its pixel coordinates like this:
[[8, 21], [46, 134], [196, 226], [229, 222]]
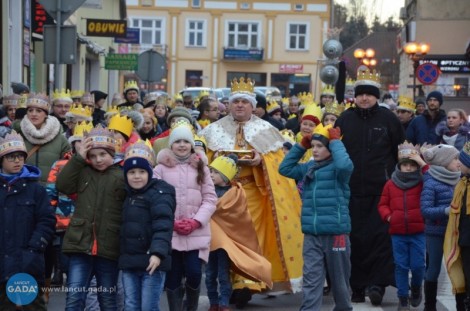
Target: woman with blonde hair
[[455, 129]]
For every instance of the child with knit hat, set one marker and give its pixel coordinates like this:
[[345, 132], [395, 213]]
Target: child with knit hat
[[92, 238], [27, 223], [436, 197], [186, 170], [146, 230], [399, 206], [325, 214], [457, 236]]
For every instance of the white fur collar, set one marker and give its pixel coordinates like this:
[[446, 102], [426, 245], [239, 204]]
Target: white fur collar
[[45, 134]]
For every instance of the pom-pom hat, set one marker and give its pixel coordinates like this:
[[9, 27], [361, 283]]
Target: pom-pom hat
[[440, 155], [182, 132]]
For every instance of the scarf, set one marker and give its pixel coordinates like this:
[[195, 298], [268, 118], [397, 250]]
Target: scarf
[[309, 177], [444, 175], [406, 180], [459, 192], [48, 131], [182, 159]]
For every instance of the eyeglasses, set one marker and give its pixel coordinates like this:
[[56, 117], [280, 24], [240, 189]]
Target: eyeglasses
[[14, 156], [215, 109]]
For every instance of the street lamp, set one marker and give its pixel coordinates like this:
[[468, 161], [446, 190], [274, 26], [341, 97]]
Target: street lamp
[[416, 52], [365, 57]]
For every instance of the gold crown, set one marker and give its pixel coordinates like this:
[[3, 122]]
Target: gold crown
[[112, 110], [177, 97], [183, 122], [141, 149], [88, 99], [101, 137], [131, 85], [76, 93], [288, 135], [306, 98], [334, 108], [38, 100], [203, 93], [80, 112], [11, 143], [292, 116], [350, 81], [80, 129], [61, 94], [122, 124], [313, 110], [225, 166], [204, 123], [22, 101], [285, 100], [406, 149], [406, 103], [243, 87], [11, 100], [272, 107], [328, 90], [367, 77], [322, 130], [200, 141]]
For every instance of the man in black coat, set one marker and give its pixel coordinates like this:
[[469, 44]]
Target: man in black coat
[[371, 135]]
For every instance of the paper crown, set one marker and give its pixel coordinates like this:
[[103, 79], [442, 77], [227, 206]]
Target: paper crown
[[225, 166], [200, 141], [306, 98], [141, 149], [177, 97], [38, 100], [88, 99], [22, 101], [328, 90], [122, 124], [288, 135], [350, 81], [62, 94], [425, 147], [322, 130], [273, 107], [131, 85], [112, 110], [11, 100], [80, 111], [183, 122], [12, 142], [292, 116], [117, 100], [76, 93], [242, 87], [367, 77], [406, 103], [313, 110], [406, 149], [334, 108], [80, 129], [101, 138], [203, 93], [285, 101], [159, 99]]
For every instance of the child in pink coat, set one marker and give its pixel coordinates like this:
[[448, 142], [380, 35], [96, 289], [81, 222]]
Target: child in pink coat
[[196, 200]]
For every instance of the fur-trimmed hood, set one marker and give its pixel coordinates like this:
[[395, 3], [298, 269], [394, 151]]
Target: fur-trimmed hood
[[442, 129], [167, 157]]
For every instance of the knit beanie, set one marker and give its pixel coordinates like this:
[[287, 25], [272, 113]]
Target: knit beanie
[[440, 155], [181, 132], [179, 112], [464, 156], [137, 162], [437, 95], [367, 89]]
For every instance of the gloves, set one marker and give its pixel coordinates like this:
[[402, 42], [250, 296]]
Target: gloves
[[306, 142], [179, 226], [335, 133], [186, 226]]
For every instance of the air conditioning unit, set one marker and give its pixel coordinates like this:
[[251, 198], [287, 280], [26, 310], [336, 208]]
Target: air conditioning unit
[[299, 7], [245, 6], [403, 13]]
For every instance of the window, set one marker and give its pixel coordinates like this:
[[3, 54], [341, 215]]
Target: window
[[151, 30], [297, 36], [196, 3], [196, 33], [243, 35]]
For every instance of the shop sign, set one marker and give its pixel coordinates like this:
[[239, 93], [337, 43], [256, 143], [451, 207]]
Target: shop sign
[[243, 55], [450, 65], [121, 62], [291, 68], [106, 28]]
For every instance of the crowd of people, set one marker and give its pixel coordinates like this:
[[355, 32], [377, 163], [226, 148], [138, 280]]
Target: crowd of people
[[289, 196]]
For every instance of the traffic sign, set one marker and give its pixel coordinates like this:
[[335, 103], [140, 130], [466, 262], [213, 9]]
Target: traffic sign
[[121, 62], [152, 66], [67, 7], [427, 73]]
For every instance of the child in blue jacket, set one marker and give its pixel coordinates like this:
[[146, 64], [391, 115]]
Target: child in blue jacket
[[325, 215]]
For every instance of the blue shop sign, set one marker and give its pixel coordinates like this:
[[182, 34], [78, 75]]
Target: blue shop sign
[[245, 55]]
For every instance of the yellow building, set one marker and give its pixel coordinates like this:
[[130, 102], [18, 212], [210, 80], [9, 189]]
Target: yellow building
[[208, 43]]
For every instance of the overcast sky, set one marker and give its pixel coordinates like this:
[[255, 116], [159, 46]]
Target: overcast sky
[[385, 8]]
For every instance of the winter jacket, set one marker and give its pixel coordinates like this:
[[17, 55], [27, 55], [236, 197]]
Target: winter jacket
[[371, 137], [458, 139], [325, 198], [147, 226], [194, 201], [435, 197], [403, 205], [94, 227], [27, 225], [423, 129]]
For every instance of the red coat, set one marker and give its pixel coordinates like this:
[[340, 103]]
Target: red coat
[[404, 208]]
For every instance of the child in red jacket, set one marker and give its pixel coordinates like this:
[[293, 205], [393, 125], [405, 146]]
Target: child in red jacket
[[400, 207]]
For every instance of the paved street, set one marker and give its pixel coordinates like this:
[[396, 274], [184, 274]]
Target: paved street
[[290, 302]]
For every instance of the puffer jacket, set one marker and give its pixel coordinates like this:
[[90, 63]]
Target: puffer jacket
[[325, 199], [404, 208], [423, 129], [193, 200], [461, 137], [27, 225], [147, 226], [94, 227]]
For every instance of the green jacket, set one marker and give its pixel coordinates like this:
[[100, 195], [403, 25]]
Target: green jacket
[[98, 206]]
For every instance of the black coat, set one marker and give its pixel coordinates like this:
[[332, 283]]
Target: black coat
[[147, 227]]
